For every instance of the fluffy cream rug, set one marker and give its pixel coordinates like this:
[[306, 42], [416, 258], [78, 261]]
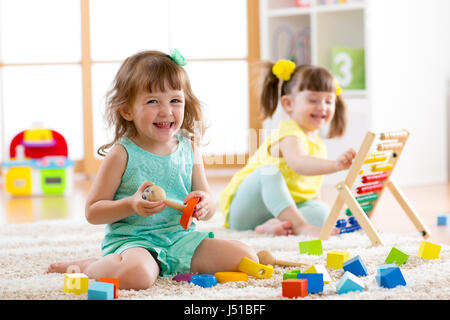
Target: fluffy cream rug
[[27, 249]]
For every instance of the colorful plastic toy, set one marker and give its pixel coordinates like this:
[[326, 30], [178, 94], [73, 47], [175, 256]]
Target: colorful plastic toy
[[315, 281], [428, 250], [396, 256], [336, 259], [356, 266], [38, 164], [223, 277], [319, 268], [101, 291], [349, 282], [76, 283], [115, 282], [294, 288], [156, 193], [362, 200], [313, 247], [183, 277], [203, 280], [255, 269]]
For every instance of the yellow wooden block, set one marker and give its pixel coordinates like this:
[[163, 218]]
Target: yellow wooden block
[[255, 269], [76, 282], [336, 259], [428, 250], [319, 268], [231, 276]]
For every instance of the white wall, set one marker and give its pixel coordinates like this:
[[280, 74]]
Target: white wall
[[407, 80]]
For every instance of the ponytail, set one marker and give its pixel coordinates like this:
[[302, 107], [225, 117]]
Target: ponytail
[[339, 121], [270, 90]]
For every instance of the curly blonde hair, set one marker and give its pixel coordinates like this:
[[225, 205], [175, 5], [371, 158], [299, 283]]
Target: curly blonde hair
[[149, 71]]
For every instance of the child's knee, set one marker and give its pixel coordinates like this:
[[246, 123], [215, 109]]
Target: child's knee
[[137, 277], [246, 251]]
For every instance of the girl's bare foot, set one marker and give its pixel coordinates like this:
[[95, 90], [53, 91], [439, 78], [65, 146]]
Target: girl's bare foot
[[69, 267], [275, 227]]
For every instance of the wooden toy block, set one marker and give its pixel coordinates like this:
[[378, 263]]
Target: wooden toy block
[[311, 247], [315, 281], [255, 269], [76, 283], [428, 250], [115, 282], [291, 274], [319, 268], [223, 277], [443, 219], [356, 266], [336, 259], [101, 291], [294, 288], [390, 277], [396, 256], [349, 282]]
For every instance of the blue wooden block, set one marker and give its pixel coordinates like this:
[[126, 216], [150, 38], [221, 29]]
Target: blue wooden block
[[101, 291], [349, 282], [356, 266], [315, 281], [390, 277], [443, 219]]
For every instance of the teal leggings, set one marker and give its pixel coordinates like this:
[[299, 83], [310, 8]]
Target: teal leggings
[[263, 195]]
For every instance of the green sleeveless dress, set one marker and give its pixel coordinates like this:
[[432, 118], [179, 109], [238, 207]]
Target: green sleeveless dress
[[161, 233]]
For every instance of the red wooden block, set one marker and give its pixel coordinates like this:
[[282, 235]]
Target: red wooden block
[[115, 282], [294, 288]]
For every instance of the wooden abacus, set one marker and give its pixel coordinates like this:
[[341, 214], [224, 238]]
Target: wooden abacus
[[380, 156]]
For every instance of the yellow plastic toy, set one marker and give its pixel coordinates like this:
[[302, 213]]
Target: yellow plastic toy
[[255, 269], [223, 277], [76, 282]]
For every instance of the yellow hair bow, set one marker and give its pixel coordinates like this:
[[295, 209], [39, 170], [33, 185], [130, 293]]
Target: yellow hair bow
[[338, 88], [283, 69]]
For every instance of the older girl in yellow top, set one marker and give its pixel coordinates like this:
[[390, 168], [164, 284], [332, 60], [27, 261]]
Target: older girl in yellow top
[[277, 189]]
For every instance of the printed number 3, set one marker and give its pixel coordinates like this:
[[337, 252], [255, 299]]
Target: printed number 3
[[346, 63]]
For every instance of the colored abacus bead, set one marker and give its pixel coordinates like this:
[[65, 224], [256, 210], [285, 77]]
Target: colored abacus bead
[[341, 223], [374, 177], [370, 188]]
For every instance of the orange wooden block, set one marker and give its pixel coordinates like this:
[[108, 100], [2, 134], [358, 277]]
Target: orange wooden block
[[188, 212], [115, 282], [294, 288]]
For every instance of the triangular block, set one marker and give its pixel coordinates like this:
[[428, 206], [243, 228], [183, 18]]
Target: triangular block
[[356, 266], [349, 282], [319, 268]]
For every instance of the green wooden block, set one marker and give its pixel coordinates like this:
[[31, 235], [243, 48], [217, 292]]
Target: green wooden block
[[311, 247], [396, 256], [292, 274]]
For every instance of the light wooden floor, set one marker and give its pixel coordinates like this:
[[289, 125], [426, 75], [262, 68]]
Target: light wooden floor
[[429, 201]]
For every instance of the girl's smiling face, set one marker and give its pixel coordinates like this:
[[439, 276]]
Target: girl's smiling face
[[312, 110], [157, 116]]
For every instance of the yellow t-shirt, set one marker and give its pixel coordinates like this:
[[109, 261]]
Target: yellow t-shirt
[[302, 188]]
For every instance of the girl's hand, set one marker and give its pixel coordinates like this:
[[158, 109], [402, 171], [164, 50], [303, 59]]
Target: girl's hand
[[143, 207], [202, 208], [344, 161]]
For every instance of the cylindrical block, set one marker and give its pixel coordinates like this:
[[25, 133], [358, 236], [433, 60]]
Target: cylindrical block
[[389, 146], [369, 188], [393, 135], [382, 167], [367, 198], [374, 177], [375, 158]]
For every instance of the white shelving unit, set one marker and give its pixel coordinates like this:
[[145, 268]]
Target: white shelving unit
[[402, 54]]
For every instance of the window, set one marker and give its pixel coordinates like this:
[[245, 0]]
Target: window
[[58, 59]]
